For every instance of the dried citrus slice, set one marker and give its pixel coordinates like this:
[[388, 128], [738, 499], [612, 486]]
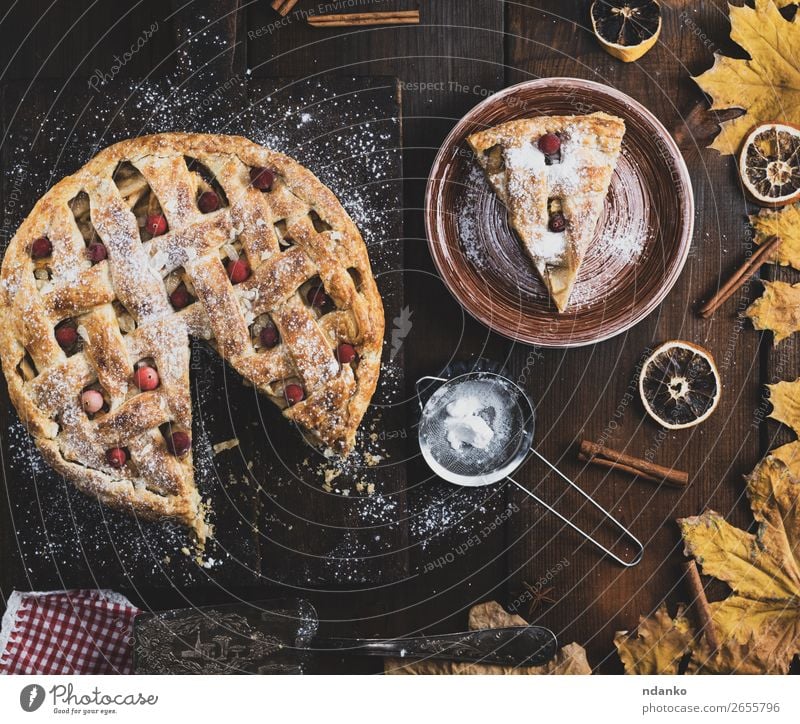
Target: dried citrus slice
[[679, 385], [769, 164], [626, 29]]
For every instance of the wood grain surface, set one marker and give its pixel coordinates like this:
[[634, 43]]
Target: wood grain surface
[[467, 546]]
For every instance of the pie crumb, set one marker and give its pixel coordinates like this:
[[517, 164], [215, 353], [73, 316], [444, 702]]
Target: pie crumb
[[331, 474], [226, 445]]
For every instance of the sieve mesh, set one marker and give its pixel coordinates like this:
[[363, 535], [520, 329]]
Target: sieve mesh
[[507, 411]]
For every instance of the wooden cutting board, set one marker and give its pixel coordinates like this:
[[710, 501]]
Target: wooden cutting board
[[282, 512]]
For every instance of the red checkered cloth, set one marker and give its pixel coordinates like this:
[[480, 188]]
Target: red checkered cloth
[[67, 632]]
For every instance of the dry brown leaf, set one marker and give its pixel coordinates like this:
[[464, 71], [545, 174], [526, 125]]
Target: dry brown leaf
[[571, 659], [784, 223], [767, 86], [491, 614], [657, 646], [777, 309], [759, 623], [733, 657]]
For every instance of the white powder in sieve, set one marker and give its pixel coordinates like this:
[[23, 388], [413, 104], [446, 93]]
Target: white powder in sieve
[[465, 426]]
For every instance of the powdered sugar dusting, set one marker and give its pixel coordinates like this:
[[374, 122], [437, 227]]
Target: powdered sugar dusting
[[619, 242], [349, 150]]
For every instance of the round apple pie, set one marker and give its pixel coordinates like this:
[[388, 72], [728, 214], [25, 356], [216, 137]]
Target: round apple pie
[[159, 239]]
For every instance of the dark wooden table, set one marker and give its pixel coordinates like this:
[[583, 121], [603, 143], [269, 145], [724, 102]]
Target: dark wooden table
[[463, 51]]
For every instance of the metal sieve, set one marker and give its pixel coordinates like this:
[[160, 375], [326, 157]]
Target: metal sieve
[[510, 413]]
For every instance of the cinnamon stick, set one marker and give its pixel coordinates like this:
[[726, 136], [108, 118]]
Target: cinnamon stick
[[700, 602], [342, 20], [284, 7], [740, 276], [617, 466], [614, 460]]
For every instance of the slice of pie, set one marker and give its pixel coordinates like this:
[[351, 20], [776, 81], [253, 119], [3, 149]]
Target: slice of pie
[[553, 173], [158, 239]]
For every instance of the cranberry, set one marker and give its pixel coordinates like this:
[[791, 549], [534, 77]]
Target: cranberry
[[293, 394], [96, 252], [41, 248], [346, 353], [269, 336], [156, 224], [116, 457], [238, 270], [92, 401], [145, 378], [557, 222], [550, 144], [179, 443], [262, 178], [66, 336], [208, 202], [179, 297], [318, 298]]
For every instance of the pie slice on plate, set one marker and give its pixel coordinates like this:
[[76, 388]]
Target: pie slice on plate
[[158, 239], [552, 173]]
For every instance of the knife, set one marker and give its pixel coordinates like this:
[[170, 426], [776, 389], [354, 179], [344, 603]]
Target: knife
[[280, 637]]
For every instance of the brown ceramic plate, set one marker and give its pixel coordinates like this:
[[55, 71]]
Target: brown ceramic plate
[[641, 242]]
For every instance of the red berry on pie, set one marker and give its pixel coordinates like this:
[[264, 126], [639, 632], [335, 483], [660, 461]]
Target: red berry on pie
[[179, 443], [156, 224], [208, 202], [96, 252], [146, 378], [238, 270], [41, 248], [116, 457], [269, 336], [293, 393], [262, 178], [557, 223], [179, 297], [550, 144], [318, 298], [66, 336], [346, 353], [92, 401]]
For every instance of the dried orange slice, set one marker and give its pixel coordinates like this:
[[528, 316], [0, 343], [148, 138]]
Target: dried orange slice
[[626, 29], [679, 385], [769, 164]]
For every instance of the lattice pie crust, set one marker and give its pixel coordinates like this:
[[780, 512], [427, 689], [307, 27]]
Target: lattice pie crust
[[196, 235]]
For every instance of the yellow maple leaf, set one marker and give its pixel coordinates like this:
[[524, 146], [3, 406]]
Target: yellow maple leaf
[[785, 399], [778, 309], [658, 645], [571, 659], [784, 223], [733, 657], [758, 625], [767, 85], [789, 455]]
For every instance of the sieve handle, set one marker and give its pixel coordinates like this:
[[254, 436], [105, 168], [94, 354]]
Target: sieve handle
[[631, 536], [427, 378]]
